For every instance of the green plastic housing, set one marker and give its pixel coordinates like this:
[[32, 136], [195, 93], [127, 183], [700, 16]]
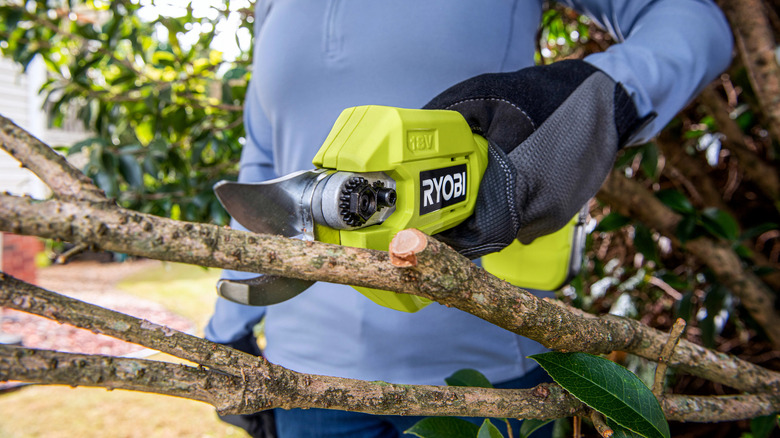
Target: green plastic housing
[[547, 263], [402, 143]]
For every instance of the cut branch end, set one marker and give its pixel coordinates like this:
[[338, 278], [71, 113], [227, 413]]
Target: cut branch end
[[405, 246]]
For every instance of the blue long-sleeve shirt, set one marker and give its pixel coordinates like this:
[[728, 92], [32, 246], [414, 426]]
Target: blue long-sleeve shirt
[[313, 58]]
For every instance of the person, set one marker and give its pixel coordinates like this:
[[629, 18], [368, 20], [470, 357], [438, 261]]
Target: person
[[553, 131]]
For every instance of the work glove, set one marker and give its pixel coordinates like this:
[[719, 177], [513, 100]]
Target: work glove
[[260, 424], [553, 132]]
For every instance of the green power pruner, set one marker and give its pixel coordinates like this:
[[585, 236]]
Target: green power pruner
[[382, 170]]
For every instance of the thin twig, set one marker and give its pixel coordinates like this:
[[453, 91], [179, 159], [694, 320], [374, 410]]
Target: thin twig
[[577, 427], [666, 355], [600, 425], [77, 249]]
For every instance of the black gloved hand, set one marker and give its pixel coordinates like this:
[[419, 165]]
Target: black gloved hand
[[260, 424], [553, 133]]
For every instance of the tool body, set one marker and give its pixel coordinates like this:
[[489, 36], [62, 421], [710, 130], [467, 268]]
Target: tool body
[[379, 171]]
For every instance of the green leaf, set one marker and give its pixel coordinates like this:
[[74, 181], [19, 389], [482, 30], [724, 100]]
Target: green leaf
[[489, 430], [762, 427], [649, 162], [144, 131], [131, 170], [759, 230], [685, 306], [713, 302], [612, 222], [720, 223], [468, 377], [686, 229], [643, 240], [626, 157], [693, 134], [608, 388], [675, 200], [530, 426], [443, 427], [107, 182]]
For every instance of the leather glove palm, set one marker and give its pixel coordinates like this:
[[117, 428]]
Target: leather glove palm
[[553, 134]]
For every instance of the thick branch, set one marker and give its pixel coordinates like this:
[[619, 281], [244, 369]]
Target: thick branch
[[277, 387], [756, 44], [703, 409], [631, 199], [65, 181], [451, 281], [51, 367]]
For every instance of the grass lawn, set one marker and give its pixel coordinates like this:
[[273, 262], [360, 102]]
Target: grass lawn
[[57, 411]]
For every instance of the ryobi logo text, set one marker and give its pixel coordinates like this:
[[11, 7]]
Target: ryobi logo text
[[442, 187]]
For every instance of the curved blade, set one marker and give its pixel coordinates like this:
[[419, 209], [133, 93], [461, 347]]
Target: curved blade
[[263, 290], [272, 207]]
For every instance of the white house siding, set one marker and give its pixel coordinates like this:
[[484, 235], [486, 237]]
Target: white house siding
[[20, 102]]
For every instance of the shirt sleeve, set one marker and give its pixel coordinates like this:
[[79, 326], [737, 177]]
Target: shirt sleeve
[[668, 51]]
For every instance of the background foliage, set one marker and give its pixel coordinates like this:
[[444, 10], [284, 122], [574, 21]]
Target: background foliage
[[163, 103]]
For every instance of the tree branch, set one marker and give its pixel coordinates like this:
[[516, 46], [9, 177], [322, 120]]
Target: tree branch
[[756, 44], [666, 355], [702, 409], [280, 388], [55, 368], [67, 182]]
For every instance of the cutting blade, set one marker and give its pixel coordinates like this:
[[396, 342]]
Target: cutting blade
[[262, 291], [280, 206]]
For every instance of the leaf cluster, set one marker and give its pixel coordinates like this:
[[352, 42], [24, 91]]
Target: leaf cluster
[[161, 104]]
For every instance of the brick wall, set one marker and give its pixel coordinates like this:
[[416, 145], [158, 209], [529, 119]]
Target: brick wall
[[18, 257]]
